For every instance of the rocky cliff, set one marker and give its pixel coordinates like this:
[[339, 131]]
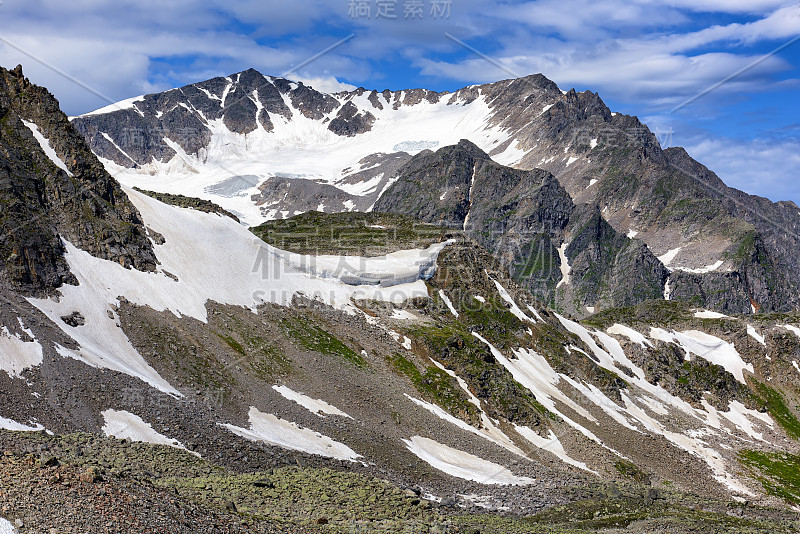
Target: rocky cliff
[[52, 187], [566, 255]]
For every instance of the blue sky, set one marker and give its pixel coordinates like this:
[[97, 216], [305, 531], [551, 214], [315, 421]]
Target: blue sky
[[643, 57]]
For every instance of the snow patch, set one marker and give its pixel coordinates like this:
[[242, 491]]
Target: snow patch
[[693, 445], [708, 347], [461, 464], [403, 315], [17, 355], [532, 371], [506, 296], [125, 425], [535, 313], [403, 340], [791, 328], [630, 333], [490, 430], [130, 103], [706, 314], [10, 424], [448, 303], [6, 527], [552, 445], [702, 270], [316, 406], [669, 256], [47, 147], [751, 331], [270, 429], [565, 267]]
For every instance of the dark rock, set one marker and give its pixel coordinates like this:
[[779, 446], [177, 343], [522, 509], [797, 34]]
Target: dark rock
[[523, 217], [42, 204], [74, 319]]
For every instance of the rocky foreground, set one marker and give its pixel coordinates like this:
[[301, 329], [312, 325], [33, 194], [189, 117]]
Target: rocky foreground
[[86, 483]]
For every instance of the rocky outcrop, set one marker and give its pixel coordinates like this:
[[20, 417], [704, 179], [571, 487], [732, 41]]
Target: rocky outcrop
[[282, 197], [350, 122], [43, 203], [663, 197], [524, 218]]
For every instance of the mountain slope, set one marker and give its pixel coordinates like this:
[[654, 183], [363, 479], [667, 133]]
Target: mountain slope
[[51, 186]]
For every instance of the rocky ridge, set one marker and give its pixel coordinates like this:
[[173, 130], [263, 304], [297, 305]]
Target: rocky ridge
[[43, 203], [566, 255]]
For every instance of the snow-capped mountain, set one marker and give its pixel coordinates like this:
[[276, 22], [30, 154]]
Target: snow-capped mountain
[[427, 367], [266, 148]]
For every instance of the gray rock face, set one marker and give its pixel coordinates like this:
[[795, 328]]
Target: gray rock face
[[349, 122], [243, 101], [299, 196], [524, 217], [671, 201], [292, 195], [42, 204]]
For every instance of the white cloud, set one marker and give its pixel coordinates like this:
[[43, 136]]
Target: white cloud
[[661, 69], [325, 84], [755, 166], [726, 6]]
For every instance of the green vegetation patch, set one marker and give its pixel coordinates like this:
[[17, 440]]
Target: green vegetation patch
[[188, 202], [650, 511], [313, 337], [350, 234], [649, 313], [437, 386], [631, 470], [778, 472], [294, 495], [776, 406], [455, 348]]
